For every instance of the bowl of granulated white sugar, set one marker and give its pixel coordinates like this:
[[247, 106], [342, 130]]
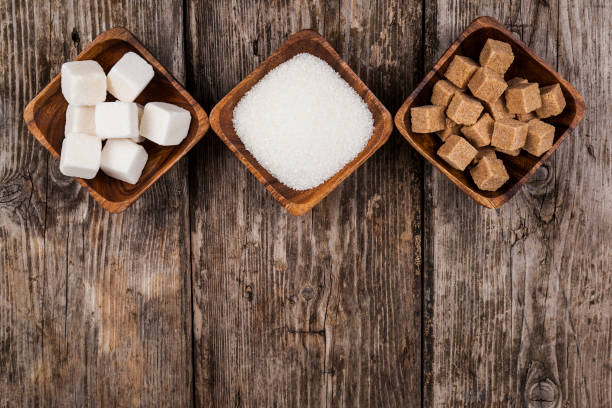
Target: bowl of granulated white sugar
[[302, 122]]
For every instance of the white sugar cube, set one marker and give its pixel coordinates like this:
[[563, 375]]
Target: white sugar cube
[[116, 120], [164, 123], [80, 156], [80, 119], [128, 77], [83, 82], [123, 159]]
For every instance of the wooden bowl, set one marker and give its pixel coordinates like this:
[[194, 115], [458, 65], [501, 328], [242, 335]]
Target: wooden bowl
[[307, 41], [527, 65], [45, 116]]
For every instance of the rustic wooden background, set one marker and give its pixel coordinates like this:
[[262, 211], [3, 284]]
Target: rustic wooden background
[[397, 290]]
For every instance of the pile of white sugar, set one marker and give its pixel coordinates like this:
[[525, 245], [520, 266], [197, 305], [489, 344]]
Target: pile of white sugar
[[302, 122]]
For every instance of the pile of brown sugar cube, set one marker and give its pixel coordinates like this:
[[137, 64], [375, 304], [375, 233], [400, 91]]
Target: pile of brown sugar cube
[[511, 120]]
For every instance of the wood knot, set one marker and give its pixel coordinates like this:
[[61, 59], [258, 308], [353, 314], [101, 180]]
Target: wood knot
[[539, 190], [248, 293], [308, 293], [76, 39], [542, 394], [540, 390], [542, 177], [16, 191]]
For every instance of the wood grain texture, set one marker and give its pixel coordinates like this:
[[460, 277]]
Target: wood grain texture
[[581, 253], [23, 185], [95, 308], [323, 308], [519, 294]]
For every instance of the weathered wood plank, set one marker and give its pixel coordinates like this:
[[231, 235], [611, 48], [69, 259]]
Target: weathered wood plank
[[259, 297], [322, 308], [23, 184], [514, 292], [113, 318], [581, 226], [374, 310], [468, 310]]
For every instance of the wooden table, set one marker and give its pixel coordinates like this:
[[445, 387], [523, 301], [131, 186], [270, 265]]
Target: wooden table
[[397, 290]]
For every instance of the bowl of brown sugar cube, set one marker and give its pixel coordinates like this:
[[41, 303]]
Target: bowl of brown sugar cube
[[489, 113], [116, 119]]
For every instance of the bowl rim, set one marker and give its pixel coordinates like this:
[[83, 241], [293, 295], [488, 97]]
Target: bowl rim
[[200, 117], [322, 190], [400, 122]]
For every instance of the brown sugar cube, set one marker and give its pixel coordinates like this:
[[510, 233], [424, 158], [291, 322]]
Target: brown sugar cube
[[460, 70], [523, 98], [540, 137], [496, 55], [427, 119], [553, 101], [487, 85], [525, 117], [489, 174], [457, 152], [516, 80], [464, 109], [451, 129], [509, 134], [498, 109], [479, 134], [486, 151], [442, 93], [513, 152]]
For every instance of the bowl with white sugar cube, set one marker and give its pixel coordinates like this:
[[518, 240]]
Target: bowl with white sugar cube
[[116, 119], [302, 122]]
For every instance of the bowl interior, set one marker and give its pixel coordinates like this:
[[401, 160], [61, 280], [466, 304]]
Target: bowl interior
[[312, 43], [525, 66], [49, 116]]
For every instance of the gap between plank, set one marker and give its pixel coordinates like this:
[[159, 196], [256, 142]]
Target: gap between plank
[[185, 22], [423, 164]]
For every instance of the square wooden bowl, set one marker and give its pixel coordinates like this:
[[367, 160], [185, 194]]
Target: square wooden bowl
[[45, 116], [527, 65], [307, 41]]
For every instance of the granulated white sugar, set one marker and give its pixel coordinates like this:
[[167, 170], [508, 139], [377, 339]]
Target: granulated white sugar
[[302, 122]]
